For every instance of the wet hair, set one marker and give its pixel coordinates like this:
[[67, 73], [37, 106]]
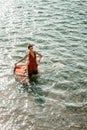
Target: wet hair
[[30, 45]]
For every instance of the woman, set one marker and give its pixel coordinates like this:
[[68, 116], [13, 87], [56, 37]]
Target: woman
[[32, 61]]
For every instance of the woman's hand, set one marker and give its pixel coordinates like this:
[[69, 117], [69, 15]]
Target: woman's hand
[[15, 64], [38, 62]]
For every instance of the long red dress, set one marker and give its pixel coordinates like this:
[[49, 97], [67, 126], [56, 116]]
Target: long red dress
[[32, 64]]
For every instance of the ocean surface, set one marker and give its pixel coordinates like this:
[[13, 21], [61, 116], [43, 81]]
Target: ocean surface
[[55, 99]]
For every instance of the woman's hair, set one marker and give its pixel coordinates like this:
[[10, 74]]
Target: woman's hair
[[30, 45]]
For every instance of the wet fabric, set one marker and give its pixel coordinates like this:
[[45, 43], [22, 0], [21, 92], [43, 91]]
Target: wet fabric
[[32, 64], [20, 72]]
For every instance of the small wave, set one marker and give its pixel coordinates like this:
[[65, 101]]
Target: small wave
[[58, 65]]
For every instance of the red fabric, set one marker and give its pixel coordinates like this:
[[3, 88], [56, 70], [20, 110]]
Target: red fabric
[[20, 72], [32, 64], [20, 69]]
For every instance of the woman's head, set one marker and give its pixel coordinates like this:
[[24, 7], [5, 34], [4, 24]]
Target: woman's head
[[30, 46]]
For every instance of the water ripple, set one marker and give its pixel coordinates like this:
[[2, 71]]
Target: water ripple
[[56, 98]]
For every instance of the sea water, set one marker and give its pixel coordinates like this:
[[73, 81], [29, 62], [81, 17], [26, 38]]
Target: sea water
[[58, 96]]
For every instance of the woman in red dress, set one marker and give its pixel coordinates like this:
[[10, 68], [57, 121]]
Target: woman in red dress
[[32, 61]]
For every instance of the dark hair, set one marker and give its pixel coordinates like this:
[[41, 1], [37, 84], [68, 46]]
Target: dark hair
[[30, 45]]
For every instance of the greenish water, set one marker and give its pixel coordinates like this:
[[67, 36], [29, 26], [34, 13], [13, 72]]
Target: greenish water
[[58, 29]]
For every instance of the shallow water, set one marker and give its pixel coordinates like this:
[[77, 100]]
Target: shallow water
[[56, 99]]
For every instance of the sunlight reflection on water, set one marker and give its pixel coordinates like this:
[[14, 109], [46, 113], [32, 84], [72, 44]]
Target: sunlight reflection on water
[[56, 98]]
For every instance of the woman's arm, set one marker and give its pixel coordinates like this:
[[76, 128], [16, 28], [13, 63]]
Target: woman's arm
[[40, 56], [21, 59]]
